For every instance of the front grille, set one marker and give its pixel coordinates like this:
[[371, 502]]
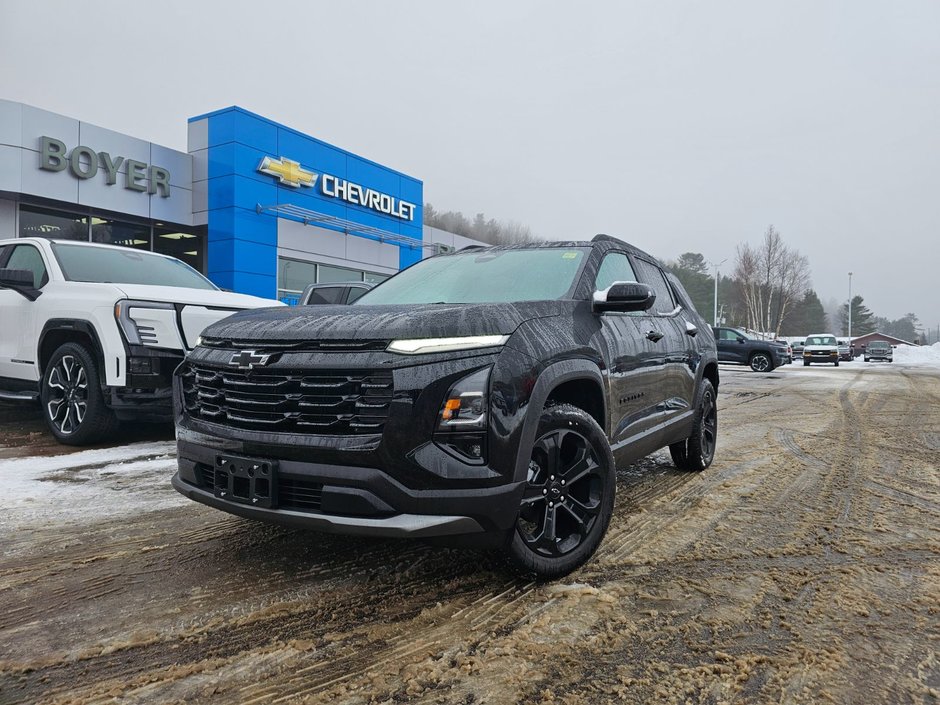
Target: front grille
[[301, 495], [326, 402]]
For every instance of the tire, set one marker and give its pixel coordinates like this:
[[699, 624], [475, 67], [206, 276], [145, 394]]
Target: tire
[[866, 359], [72, 404], [569, 496], [837, 363], [761, 362], [805, 363], [698, 451]]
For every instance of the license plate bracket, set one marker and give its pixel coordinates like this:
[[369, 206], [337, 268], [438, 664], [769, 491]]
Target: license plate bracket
[[251, 481]]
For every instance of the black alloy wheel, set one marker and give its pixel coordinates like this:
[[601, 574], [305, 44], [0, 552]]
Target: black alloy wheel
[[568, 497], [698, 451], [760, 362], [72, 402]]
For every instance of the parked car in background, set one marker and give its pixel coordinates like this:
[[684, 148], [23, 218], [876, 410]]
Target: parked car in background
[[470, 395], [736, 346], [789, 349], [333, 293], [879, 350], [797, 348], [821, 347], [94, 332], [845, 351]]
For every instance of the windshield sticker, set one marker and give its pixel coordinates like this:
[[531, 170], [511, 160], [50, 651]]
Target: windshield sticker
[[569, 255]]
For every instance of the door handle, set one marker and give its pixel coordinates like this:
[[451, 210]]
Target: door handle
[[654, 336]]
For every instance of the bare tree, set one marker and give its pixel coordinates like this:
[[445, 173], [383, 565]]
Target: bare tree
[[771, 276]]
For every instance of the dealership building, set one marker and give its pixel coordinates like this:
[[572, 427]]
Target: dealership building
[[258, 207]]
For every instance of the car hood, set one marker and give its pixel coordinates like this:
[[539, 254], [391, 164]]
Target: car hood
[[356, 322], [195, 297]]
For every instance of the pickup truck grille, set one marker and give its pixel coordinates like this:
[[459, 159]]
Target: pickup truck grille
[[324, 402]]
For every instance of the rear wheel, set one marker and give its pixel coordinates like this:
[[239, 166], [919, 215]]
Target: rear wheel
[[72, 403], [569, 495], [698, 450], [760, 362]]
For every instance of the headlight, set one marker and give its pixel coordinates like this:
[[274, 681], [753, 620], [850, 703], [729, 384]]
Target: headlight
[[461, 423], [417, 346], [129, 325]]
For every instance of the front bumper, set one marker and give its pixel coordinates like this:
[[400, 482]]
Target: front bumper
[[832, 356], [352, 500]]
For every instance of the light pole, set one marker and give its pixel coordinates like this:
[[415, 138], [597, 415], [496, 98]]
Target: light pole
[[850, 309], [716, 266]]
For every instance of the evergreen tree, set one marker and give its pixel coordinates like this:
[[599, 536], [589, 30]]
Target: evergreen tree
[[862, 318], [808, 316], [691, 270]]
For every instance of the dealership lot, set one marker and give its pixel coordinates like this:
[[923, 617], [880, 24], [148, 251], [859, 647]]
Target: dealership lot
[[804, 565]]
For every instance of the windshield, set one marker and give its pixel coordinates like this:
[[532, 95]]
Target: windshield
[[821, 340], [880, 344], [105, 265], [497, 276]]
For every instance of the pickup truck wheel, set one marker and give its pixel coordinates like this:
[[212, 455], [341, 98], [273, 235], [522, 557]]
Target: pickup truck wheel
[[569, 496], [698, 450], [760, 362], [72, 403]]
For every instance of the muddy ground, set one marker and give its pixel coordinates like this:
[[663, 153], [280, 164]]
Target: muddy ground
[[802, 567]]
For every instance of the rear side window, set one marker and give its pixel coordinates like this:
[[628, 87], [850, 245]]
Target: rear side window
[[614, 268], [327, 295], [28, 257], [354, 293], [653, 276]]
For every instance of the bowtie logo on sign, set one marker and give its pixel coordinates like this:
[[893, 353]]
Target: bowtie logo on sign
[[288, 172], [291, 173]]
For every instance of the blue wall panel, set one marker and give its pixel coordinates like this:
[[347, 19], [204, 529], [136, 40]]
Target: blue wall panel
[[242, 246]]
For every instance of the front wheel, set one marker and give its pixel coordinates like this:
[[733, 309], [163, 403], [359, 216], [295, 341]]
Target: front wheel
[[698, 450], [837, 363], [569, 495], [760, 362], [805, 363], [72, 403]]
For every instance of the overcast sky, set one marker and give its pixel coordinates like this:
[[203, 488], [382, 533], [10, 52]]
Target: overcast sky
[[677, 126]]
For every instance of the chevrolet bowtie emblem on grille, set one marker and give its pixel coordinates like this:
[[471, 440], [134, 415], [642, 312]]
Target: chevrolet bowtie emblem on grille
[[249, 359], [287, 171]]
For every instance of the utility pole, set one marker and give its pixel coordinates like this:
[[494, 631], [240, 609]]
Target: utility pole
[[715, 312], [850, 308]]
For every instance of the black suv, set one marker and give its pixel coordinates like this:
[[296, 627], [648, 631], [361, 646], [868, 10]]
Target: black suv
[[760, 355], [486, 395]]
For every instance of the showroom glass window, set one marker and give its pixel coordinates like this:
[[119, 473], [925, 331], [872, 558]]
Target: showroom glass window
[[46, 222], [116, 232], [188, 246]]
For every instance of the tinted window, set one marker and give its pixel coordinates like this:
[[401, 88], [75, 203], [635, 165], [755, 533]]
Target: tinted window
[[653, 276], [326, 295], [728, 334], [82, 263], [354, 293], [615, 268], [524, 274], [28, 257]]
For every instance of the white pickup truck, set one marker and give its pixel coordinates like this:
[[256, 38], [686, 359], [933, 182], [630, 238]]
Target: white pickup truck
[[94, 332]]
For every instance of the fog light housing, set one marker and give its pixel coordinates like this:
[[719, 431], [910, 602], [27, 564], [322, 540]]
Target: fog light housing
[[141, 365]]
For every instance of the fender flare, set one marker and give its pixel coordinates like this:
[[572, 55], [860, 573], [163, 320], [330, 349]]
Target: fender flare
[[553, 375], [70, 324]]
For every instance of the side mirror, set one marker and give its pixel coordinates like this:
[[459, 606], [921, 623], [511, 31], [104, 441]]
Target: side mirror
[[624, 297], [20, 280], [741, 340]]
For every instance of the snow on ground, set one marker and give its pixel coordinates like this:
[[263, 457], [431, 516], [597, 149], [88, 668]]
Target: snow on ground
[[918, 354], [88, 486]]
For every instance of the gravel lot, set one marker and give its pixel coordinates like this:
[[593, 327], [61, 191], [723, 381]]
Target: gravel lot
[[802, 567]]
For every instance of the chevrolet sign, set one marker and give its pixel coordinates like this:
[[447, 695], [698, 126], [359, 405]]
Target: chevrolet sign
[[291, 173]]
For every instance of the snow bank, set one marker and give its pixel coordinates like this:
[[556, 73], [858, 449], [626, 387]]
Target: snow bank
[[918, 355], [87, 486]]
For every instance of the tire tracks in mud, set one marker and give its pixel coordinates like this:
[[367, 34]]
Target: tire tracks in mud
[[767, 556]]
